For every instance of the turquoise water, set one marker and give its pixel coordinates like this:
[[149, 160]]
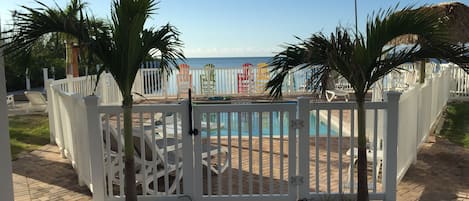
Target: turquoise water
[[259, 126], [219, 62], [225, 62]]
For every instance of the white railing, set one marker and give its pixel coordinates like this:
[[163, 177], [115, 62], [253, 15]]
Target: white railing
[[460, 83], [155, 83], [232, 150], [328, 154], [323, 147], [419, 109], [67, 118]]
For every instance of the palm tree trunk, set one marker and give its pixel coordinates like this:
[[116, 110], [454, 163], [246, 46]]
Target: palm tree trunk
[[130, 187], [362, 194]]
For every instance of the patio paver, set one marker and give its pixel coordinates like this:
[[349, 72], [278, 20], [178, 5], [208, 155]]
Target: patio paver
[[440, 173], [44, 175]]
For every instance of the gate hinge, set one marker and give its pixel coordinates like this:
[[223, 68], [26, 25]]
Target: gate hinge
[[297, 123], [297, 180]]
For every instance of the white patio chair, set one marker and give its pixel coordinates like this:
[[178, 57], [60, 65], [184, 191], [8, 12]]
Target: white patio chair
[[335, 90], [207, 149], [334, 93], [155, 166], [36, 101]]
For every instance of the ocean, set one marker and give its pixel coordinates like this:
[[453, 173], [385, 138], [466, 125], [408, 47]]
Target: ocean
[[225, 62]]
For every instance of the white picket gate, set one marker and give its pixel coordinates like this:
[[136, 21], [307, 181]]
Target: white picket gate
[[250, 171]]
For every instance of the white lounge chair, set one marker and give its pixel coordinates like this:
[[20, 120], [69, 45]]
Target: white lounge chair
[[334, 93], [37, 101], [335, 90], [155, 166], [11, 100], [208, 150]]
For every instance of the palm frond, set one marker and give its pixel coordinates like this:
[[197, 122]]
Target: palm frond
[[164, 44], [33, 23], [283, 63]]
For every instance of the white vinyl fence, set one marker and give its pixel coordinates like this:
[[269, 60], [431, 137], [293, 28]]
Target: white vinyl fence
[[420, 107], [151, 82], [242, 151], [268, 151], [460, 82]]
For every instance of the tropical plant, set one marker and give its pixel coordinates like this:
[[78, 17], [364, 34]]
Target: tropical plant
[[44, 54], [363, 60], [120, 45]]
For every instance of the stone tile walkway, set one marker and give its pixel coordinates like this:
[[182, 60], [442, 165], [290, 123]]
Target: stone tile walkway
[[43, 175], [441, 173]]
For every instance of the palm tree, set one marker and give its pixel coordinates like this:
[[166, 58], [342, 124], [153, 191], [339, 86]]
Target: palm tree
[[120, 45], [361, 61]]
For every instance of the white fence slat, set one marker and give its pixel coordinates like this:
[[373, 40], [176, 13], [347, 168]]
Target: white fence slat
[[230, 147], [250, 180], [328, 146], [240, 157], [352, 144], [375, 149], [282, 135], [261, 184], [316, 145], [341, 116], [271, 154], [218, 151]]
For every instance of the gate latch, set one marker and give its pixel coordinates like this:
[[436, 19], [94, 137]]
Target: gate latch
[[194, 132]]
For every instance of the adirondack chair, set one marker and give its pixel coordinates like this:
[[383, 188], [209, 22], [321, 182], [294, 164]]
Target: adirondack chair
[[184, 81], [207, 80], [246, 80], [262, 77]]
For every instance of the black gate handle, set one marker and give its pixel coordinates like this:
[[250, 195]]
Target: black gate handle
[[193, 132]]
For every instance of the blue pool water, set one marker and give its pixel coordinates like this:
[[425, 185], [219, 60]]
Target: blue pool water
[[240, 126]]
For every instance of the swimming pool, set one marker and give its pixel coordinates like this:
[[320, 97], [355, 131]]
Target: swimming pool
[[259, 124]]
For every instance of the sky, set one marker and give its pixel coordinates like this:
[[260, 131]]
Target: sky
[[242, 28]]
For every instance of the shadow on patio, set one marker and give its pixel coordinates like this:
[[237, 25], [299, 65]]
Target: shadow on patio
[[440, 173]]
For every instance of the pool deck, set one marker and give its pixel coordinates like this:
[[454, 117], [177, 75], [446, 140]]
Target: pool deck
[[440, 173]]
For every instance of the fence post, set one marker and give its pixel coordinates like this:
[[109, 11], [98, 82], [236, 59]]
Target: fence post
[[95, 142], [70, 83], [187, 150], [50, 109], [390, 151], [303, 146], [28, 79], [6, 191], [45, 76]]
